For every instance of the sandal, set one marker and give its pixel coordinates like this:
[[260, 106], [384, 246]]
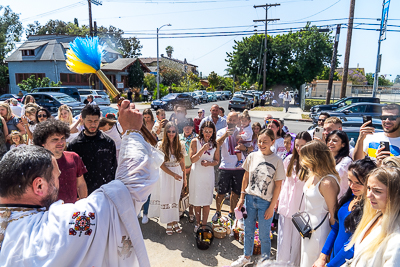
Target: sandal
[[169, 230], [177, 228], [191, 218]]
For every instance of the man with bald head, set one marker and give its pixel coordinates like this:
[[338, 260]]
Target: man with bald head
[[230, 177], [218, 121]]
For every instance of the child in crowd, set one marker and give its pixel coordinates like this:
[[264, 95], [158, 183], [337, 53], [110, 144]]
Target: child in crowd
[[159, 125], [245, 136], [17, 140], [288, 142]]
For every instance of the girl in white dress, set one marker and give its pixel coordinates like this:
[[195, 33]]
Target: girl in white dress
[[320, 196], [164, 201], [288, 243], [204, 154]]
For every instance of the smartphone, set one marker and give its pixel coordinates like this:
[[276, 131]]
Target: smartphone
[[318, 132], [385, 145], [367, 118]]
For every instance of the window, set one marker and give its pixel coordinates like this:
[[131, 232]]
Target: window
[[28, 52], [357, 109], [19, 77], [73, 79], [373, 109]]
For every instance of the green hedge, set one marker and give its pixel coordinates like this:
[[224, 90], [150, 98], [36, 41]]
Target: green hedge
[[312, 102]]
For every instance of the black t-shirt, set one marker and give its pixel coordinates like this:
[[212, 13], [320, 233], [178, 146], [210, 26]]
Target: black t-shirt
[[129, 95], [98, 153]]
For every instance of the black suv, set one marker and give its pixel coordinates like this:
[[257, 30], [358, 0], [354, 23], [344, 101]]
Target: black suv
[[344, 102], [52, 101], [169, 101]]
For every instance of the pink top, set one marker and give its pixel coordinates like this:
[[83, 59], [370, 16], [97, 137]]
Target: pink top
[[291, 192]]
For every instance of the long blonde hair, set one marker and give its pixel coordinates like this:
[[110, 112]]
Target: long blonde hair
[[65, 107], [176, 144], [9, 112], [390, 177], [316, 157], [391, 162]]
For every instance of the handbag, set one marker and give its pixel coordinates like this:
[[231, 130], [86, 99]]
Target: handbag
[[301, 221], [184, 203]]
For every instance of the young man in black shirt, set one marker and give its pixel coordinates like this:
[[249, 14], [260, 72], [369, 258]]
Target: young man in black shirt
[[96, 149]]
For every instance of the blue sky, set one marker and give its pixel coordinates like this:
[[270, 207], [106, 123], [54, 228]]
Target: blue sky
[[141, 18]]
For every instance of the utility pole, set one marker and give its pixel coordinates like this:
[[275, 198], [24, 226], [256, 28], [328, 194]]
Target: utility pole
[[382, 37], [348, 46], [333, 65], [265, 49], [97, 3]]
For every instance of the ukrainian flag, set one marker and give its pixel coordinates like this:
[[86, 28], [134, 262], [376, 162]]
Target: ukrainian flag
[[373, 148]]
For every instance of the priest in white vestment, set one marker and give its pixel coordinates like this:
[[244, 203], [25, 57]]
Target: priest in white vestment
[[100, 230]]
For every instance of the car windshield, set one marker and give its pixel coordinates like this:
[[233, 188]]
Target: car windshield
[[65, 99], [238, 98], [101, 93], [85, 92], [341, 109], [169, 96], [340, 101], [198, 93], [210, 93]]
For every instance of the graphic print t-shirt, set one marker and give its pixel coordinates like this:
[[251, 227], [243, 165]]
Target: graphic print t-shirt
[[263, 172], [372, 143]]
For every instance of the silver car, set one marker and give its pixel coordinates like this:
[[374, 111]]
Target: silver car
[[99, 96]]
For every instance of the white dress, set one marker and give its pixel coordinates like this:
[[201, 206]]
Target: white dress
[[315, 205], [164, 200], [202, 179]]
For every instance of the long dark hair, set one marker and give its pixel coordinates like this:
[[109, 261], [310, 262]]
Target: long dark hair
[[295, 155], [360, 169], [344, 151], [45, 111], [213, 139]]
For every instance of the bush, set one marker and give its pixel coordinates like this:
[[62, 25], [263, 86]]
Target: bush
[[312, 102]]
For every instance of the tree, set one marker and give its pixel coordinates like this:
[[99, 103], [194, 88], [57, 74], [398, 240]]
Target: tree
[[397, 79], [169, 49], [150, 82], [136, 75], [213, 80], [131, 47], [382, 81], [292, 58], [170, 76], [357, 77], [324, 75], [29, 84]]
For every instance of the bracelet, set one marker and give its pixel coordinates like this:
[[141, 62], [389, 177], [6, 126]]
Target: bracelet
[[243, 192]]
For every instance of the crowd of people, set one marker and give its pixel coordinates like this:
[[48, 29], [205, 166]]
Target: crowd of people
[[349, 195]]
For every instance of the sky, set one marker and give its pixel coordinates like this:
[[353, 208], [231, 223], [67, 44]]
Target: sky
[[193, 18]]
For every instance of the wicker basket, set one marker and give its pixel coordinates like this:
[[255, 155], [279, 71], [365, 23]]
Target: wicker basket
[[236, 234], [219, 232], [257, 249]]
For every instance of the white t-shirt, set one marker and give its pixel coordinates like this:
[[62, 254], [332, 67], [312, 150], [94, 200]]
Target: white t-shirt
[[279, 147], [246, 134], [115, 135], [157, 125], [263, 172], [372, 143], [16, 110]]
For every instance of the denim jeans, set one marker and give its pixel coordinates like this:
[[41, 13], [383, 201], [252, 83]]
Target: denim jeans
[[146, 206], [256, 208]]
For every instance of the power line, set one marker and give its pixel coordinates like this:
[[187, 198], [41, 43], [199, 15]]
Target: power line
[[55, 10]]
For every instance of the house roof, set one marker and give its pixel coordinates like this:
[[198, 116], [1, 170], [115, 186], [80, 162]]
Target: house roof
[[122, 63], [32, 45], [148, 60]]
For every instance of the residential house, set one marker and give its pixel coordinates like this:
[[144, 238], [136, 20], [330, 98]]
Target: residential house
[[183, 66]]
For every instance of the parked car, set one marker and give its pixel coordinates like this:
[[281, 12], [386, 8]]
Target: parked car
[[202, 95], [52, 101], [99, 96], [252, 99], [8, 96], [354, 110], [227, 94], [212, 97], [239, 102], [169, 101], [71, 91], [237, 94], [344, 102], [220, 95], [196, 97]]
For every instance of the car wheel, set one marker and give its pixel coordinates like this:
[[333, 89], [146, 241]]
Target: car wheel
[[170, 106], [192, 105]]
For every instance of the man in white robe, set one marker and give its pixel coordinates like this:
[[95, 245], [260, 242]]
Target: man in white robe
[[100, 230]]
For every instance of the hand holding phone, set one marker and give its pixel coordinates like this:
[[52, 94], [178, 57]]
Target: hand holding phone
[[319, 132], [385, 145], [367, 118]]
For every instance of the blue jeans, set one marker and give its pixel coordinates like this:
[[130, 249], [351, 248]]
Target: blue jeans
[[146, 206], [256, 208]]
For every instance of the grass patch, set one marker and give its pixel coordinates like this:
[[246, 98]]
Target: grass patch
[[305, 116], [267, 109]]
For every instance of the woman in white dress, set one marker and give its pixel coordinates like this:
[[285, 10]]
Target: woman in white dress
[[376, 239], [279, 147], [319, 196], [288, 243], [204, 154], [164, 201]]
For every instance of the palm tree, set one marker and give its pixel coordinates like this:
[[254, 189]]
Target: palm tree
[[169, 49]]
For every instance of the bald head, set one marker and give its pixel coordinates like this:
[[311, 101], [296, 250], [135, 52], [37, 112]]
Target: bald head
[[214, 111], [232, 118]]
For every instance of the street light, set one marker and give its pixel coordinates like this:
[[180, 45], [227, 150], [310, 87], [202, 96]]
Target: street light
[[158, 64]]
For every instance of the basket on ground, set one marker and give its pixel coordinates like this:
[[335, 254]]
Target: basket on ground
[[204, 237]]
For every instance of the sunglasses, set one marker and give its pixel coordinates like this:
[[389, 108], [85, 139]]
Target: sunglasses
[[323, 120], [391, 118], [42, 116], [171, 132], [200, 112], [208, 132]]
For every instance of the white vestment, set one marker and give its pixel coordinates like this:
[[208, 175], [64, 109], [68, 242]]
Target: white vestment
[[100, 230]]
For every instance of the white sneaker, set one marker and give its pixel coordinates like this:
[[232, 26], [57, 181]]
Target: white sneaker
[[242, 261], [139, 215], [145, 219]]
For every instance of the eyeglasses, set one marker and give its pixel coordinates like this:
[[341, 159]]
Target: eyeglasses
[[200, 112], [323, 120], [42, 116], [391, 118], [208, 132], [171, 132]]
